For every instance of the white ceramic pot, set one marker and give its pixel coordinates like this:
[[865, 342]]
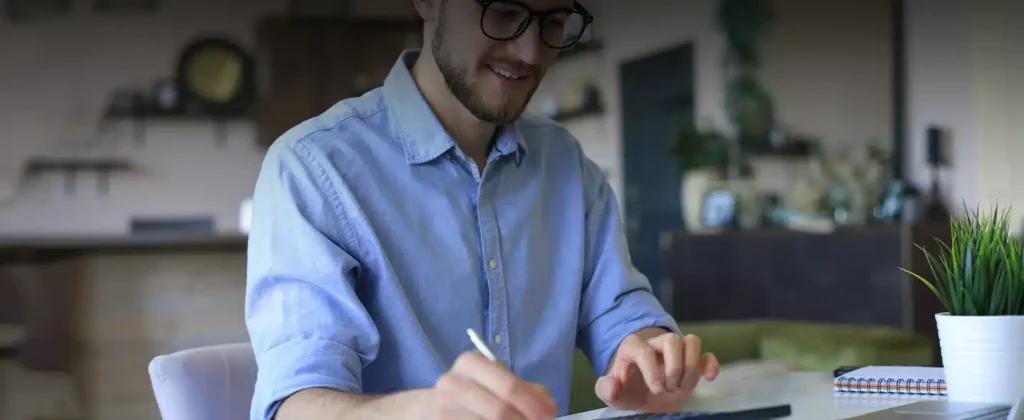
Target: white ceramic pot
[[245, 215], [694, 185], [983, 357]]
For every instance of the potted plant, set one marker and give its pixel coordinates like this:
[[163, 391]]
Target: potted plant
[[703, 156], [979, 278], [707, 156]]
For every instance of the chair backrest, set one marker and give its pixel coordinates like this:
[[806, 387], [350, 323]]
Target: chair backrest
[[207, 383]]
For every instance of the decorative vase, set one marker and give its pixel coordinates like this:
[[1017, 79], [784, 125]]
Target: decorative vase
[[983, 357], [245, 216], [694, 186]]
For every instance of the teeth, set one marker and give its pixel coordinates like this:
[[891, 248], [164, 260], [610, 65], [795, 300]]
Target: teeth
[[507, 74]]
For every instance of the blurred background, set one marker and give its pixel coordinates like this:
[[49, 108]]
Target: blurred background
[[775, 161]]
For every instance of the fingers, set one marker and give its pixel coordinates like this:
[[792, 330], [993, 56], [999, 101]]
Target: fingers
[[708, 369], [692, 360], [647, 359], [711, 366], [608, 389], [527, 400], [465, 398], [684, 362], [672, 350]]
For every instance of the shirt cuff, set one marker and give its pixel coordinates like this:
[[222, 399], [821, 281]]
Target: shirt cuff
[[647, 315], [299, 365]]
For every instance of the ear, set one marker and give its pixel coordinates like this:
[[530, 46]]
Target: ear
[[428, 9]]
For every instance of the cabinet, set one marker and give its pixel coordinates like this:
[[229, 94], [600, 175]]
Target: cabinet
[[850, 276], [309, 64]]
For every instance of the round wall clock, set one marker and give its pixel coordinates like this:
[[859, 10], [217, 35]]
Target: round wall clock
[[216, 77]]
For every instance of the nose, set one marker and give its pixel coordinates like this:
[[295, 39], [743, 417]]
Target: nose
[[529, 47]]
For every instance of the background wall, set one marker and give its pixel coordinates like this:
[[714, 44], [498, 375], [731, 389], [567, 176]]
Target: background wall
[[940, 92], [828, 71], [963, 59], [828, 66], [57, 77], [997, 62]]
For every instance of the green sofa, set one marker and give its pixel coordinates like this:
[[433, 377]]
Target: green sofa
[[801, 345]]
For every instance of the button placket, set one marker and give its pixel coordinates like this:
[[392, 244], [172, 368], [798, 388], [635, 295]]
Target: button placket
[[487, 215]]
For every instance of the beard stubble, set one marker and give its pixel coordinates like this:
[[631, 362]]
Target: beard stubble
[[457, 79]]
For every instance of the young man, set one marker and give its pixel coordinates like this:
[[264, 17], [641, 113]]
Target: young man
[[386, 227]]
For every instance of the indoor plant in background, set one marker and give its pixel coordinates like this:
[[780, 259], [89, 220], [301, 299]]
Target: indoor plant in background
[[703, 155], [979, 278], [706, 155]]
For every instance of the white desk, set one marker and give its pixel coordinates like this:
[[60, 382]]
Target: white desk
[[810, 395]]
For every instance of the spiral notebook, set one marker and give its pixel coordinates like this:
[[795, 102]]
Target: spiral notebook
[[913, 380]]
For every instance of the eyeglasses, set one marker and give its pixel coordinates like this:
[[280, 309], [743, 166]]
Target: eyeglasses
[[504, 20]]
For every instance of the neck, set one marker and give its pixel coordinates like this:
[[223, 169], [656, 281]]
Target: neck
[[471, 134]]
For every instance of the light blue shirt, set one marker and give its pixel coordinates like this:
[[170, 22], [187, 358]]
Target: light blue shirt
[[375, 244]]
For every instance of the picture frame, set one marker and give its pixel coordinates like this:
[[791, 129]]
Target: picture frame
[[719, 209]]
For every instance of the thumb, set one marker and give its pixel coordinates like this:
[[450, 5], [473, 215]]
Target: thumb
[[607, 389]]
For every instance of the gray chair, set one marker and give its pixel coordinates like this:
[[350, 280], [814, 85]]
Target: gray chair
[[206, 383]]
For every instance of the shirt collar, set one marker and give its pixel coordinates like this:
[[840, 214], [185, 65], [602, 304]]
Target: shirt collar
[[422, 136]]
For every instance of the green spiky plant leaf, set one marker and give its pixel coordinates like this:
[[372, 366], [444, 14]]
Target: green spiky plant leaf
[[980, 272]]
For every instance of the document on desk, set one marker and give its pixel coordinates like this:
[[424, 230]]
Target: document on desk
[[601, 413]]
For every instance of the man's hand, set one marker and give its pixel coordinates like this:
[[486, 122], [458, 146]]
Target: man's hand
[[476, 388], [655, 371]]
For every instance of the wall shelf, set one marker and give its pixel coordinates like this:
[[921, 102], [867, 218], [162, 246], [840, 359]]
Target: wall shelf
[[574, 114], [20, 248], [71, 166], [141, 114], [104, 243], [154, 113], [11, 337], [43, 164]]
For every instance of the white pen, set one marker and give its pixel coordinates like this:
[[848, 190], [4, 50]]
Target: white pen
[[481, 346]]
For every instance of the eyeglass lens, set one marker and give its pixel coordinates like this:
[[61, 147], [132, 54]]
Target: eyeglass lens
[[506, 20]]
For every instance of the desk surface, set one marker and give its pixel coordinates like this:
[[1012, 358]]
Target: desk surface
[[810, 395]]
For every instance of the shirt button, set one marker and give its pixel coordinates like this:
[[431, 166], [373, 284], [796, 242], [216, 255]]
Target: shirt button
[[497, 338], [493, 264]]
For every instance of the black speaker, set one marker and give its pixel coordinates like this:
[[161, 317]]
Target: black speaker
[[937, 143]]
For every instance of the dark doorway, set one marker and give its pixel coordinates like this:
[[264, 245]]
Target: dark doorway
[[657, 98]]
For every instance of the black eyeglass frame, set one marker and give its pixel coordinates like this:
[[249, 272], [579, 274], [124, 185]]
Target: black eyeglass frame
[[588, 18]]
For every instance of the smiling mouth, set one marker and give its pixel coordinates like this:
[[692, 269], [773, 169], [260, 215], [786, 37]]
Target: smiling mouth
[[508, 74]]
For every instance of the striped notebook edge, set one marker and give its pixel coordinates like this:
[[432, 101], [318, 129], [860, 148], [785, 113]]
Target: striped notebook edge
[[847, 399]]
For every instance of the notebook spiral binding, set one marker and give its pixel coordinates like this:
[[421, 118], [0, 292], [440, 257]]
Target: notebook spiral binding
[[892, 386]]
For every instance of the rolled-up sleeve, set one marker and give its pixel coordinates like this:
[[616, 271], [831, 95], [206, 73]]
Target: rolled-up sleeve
[[617, 299], [307, 326]]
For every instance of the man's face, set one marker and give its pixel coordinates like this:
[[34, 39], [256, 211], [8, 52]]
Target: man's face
[[494, 80]]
